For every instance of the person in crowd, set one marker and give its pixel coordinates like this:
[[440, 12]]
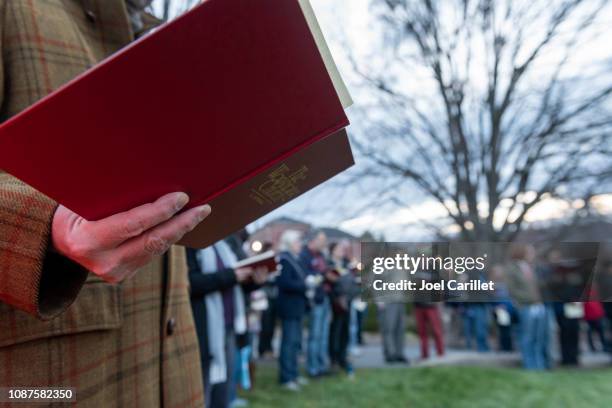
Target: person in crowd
[[454, 327], [608, 310], [313, 260], [241, 377], [392, 320], [524, 290], [475, 325], [219, 310], [344, 289], [63, 316], [544, 273], [359, 310], [567, 314], [605, 290], [505, 313], [427, 317], [269, 316], [594, 315], [258, 303], [294, 288], [475, 315]]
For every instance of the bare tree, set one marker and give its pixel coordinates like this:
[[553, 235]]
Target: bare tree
[[480, 105]]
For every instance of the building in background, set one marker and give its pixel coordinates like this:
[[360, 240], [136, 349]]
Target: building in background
[[268, 236]]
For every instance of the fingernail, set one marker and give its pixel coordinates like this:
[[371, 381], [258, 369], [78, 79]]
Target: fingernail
[[181, 201], [203, 212]]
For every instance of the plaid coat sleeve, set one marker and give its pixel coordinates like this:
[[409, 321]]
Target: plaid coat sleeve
[[32, 278], [127, 345]]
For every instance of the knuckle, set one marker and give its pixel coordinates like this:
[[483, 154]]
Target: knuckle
[[161, 212], [162, 209], [169, 211], [156, 245], [180, 230], [134, 227], [184, 228], [192, 223]]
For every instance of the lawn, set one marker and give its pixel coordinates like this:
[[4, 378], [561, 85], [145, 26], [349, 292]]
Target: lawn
[[441, 387]]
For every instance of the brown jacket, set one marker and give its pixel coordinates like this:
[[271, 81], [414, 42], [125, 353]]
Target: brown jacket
[[523, 287], [128, 345]]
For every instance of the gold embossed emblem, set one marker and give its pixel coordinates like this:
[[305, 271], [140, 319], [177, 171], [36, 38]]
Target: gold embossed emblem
[[281, 185]]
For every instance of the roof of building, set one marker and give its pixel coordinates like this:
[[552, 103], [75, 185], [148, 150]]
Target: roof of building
[[286, 220], [333, 233], [336, 233]]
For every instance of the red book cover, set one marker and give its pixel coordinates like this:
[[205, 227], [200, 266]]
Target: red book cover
[[272, 188], [266, 261], [223, 94]]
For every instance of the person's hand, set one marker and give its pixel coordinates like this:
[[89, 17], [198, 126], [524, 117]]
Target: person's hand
[[312, 281], [260, 276], [242, 274], [116, 247]]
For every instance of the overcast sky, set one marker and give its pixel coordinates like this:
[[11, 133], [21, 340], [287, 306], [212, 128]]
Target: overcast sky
[[352, 24]]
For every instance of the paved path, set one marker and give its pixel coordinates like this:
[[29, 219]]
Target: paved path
[[370, 356]]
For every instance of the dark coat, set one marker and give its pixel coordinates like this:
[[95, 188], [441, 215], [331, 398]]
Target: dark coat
[[202, 285], [344, 289], [314, 264], [291, 283]]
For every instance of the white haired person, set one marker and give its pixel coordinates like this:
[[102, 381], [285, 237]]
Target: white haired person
[[293, 286]]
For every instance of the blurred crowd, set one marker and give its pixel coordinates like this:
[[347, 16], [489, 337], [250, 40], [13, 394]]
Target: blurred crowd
[[532, 313], [314, 298], [315, 289]]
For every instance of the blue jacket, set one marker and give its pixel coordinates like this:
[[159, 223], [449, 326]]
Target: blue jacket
[[291, 301]]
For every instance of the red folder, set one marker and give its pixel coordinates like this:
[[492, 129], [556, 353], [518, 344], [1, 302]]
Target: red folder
[[222, 95]]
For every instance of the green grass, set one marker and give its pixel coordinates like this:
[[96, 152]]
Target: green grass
[[469, 387]]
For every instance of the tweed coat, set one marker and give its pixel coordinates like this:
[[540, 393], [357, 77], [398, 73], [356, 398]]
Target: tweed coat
[[128, 345]]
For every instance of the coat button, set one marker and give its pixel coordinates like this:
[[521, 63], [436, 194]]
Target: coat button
[[171, 326], [91, 16]]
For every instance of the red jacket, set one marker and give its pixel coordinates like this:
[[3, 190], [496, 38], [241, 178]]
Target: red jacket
[[593, 311]]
